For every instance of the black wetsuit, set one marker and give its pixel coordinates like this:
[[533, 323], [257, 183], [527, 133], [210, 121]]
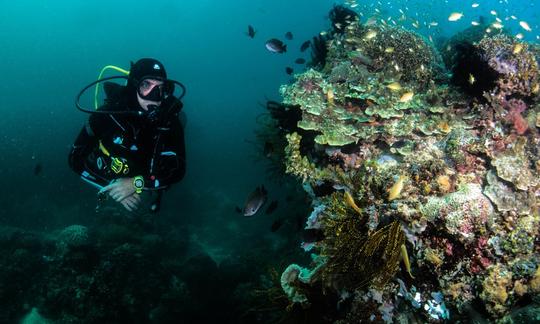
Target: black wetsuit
[[112, 146]]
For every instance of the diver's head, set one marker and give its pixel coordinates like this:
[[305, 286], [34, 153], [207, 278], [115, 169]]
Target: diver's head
[[148, 79]]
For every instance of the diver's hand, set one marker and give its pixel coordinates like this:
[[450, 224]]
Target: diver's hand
[[132, 202], [120, 189]]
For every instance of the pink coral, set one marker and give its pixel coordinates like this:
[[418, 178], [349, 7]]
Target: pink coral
[[515, 107]]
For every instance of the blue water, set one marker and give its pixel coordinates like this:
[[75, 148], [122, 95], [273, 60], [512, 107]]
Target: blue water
[[51, 49]]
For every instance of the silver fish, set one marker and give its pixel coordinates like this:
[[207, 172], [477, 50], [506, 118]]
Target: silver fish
[[255, 201]]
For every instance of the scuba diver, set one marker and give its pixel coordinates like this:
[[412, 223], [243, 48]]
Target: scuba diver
[[134, 143]]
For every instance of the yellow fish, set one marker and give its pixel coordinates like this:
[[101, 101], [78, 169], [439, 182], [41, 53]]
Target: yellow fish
[[330, 96], [472, 80], [406, 97], [455, 16], [350, 201], [395, 190], [389, 50], [394, 86], [517, 49], [370, 34], [405, 257], [525, 26]]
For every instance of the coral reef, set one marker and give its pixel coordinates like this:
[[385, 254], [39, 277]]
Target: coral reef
[[432, 191]]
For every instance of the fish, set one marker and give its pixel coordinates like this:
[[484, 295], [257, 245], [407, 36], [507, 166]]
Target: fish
[[268, 149], [312, 235], [395, 190], [274, 45], [289, 70], [37, 169], [288, 35], [517, 49], [251, 31], [455, 16], [350, 201], [493, 12], [277, 224], [389, 50], [300, 61], [525, 26], [519, 36], [254, 202], [273, 206], [475, 5], [406, 97], [394, 86], [305, 46], [405, 257], [472, 80], [370, 34], [497, 25], [475, 23]]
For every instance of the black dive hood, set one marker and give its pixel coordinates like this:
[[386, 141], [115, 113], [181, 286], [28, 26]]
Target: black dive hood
[[153, 110]]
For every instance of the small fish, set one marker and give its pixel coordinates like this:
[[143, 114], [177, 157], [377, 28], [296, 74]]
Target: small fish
[[330, 96], [406, 97], [274, 45], [519, 36], [394, 86], [405, 257], [272, 207], [497, 25], [312, 235], [395, 190], [251, 31], [536, 89], [37, 169], [300, 61], [475, 23], [350, 201], [517, 49], [277, 224], [525, 26], [389, 50], [475, 5], [455, 16], [288, 35], [304, 46], [434, 23], [289, 70], [472, 80], [493, 12], [254, 202], [268, 149], [370, 34]]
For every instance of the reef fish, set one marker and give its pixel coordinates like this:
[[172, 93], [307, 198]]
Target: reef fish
[[304, 46], [455, 16], [289, 70], [254, 202], [251, 31], [350, 201], [37, 169], [300, 61], [396, 189], [525, 26], [394, 86], [288, 35], [274, 45], [270, 209], [406, 97]]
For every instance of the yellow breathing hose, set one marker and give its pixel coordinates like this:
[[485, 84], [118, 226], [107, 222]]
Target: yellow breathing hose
[[126, 72]]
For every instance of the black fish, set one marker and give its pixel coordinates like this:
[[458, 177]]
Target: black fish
[[305, 46], [289, 70], [274, 45], [268, 149], [277, 224], [273, 205], [300, 61], [251, 31], [312, 235], [254, 202], [288, 35], [37, 169]]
